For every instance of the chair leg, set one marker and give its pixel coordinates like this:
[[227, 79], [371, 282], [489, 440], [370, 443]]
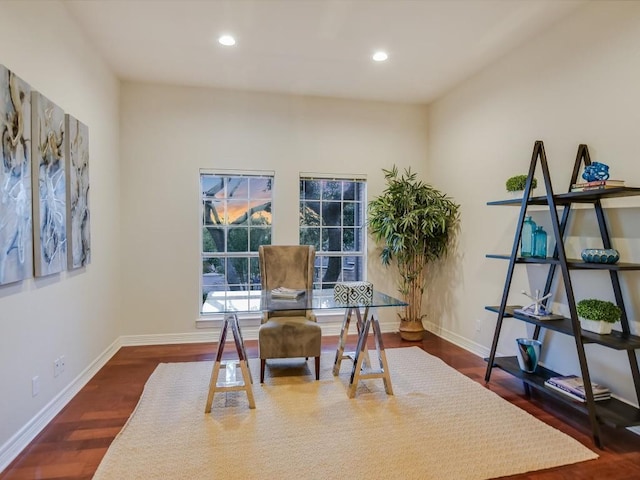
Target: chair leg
[[317, 368], [263, 362]]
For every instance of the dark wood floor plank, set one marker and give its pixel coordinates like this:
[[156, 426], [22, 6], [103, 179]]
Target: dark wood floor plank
[[73, 444]]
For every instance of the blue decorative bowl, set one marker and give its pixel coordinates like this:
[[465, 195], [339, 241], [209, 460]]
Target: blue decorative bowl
[[600, 255]]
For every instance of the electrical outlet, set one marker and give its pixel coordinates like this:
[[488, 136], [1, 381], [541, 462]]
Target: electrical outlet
[[56, 367], [63, 363], [478, 325], [35, 386]]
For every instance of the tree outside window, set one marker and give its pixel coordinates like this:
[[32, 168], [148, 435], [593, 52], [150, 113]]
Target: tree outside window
[[236, 220], [332, 220]]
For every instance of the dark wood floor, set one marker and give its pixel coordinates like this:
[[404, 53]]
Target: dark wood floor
[[73, 444]]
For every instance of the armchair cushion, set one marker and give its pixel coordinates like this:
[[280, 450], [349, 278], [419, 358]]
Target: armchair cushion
[[289, 337]]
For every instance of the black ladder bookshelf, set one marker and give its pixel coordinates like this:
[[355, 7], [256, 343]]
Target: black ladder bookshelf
[[612, 411]]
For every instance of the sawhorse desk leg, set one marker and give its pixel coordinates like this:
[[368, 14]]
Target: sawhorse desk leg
[[362, 366], [230, 321]]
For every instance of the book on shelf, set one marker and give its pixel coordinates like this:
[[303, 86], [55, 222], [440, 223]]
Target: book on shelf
[[596, 185], [286, 293], [573, 386], [541, 315]]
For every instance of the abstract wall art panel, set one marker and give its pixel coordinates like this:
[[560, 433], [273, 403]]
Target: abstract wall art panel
[[77, 169], [16, 251], [49, 196]]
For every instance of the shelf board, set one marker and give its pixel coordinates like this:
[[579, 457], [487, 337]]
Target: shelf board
[[590, 196], [612, 412], [546, 260], [572, 263], [616, 340]]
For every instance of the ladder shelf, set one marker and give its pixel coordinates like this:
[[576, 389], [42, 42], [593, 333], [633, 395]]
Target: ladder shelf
[[612, 411]]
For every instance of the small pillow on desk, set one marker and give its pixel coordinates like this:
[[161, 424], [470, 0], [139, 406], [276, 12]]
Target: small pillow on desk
[[353, 292]]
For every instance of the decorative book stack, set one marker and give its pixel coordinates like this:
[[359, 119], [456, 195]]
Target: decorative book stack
[[596, 185], [573, 387]]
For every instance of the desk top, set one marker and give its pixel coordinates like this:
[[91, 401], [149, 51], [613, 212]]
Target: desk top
[[261, 301]]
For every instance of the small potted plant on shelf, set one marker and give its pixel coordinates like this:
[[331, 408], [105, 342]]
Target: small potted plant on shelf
[[597, 315], [515, 185]]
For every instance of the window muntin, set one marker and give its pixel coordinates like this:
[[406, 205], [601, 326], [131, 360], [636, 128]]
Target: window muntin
[[332, 218], [236, 220]]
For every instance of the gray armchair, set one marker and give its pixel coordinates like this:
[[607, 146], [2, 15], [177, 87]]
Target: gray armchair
[[288, 333]]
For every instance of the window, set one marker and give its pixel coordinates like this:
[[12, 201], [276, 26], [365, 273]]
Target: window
[[332, 219], [236, 220]]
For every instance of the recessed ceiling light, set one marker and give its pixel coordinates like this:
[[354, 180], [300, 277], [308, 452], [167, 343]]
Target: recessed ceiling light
[[380, 56], [226, 40]]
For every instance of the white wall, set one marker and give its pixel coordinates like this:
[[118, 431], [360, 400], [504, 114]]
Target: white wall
[[74, 314], [169, 133], [577, 83]]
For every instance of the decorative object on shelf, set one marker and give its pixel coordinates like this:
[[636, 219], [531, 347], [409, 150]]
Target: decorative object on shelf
[[353, 292], [597, 315], [539, 242], [528, 353], [536, 309], [600, 255], [517, 183], [526, 238], [416, 224], [596, 171]]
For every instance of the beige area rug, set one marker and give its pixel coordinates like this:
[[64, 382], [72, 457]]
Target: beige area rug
[[438, 425]]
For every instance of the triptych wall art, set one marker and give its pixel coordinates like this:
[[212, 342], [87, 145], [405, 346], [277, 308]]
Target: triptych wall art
[[44, 185]]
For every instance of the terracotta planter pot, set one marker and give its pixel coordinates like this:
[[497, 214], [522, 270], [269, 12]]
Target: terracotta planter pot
[[411, 331]]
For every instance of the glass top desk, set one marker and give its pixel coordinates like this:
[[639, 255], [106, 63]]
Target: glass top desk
[[232, 303]]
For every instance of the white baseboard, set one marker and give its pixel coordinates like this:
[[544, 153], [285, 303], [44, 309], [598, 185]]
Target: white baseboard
[[330, 324], [18, 442], [462, 342]]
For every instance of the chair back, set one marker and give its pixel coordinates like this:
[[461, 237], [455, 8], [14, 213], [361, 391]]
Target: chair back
[[288, 266]]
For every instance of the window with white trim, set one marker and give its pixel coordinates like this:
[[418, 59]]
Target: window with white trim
[[236, 220], [332, 218]]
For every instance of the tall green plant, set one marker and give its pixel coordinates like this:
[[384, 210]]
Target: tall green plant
[[415, 223]]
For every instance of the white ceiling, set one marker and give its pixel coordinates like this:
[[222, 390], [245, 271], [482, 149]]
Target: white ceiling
[[312, 47]]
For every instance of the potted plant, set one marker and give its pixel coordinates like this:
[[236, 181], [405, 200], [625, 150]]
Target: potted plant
[[597, 315], [415, 223], [517, 183]]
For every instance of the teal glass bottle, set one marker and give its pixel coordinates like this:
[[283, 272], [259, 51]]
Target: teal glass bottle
[[526, 239], [539, 243]]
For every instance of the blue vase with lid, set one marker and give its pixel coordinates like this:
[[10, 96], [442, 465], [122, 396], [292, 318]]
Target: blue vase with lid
[[539, 242], [526, 239]]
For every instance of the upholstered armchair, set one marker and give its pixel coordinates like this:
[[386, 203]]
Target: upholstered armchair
[[288, 333]]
